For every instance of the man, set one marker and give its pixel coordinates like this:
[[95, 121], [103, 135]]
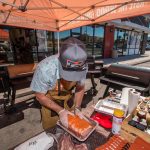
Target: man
[[56, 77]]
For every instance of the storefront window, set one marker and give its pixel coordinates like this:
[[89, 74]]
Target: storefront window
[[34, 43], [85, 34], [22, 45], [115, 39], [89, 40], [98, 40], [134, 42], [62, 37], [126, 35], [42, 45], [50, 42], [6, 53], [76, 33], [127, 42], [120, 41], [138, 43], [91, 36]]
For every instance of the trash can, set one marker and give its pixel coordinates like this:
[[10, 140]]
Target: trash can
[[114, 54]]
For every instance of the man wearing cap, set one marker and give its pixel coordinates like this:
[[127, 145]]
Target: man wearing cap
[[54, 80]]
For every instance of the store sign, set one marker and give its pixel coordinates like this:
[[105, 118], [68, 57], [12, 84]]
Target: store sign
[[103, 13]]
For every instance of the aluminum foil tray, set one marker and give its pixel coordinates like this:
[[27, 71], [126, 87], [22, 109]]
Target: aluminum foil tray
[[93, 123], [107, 106]]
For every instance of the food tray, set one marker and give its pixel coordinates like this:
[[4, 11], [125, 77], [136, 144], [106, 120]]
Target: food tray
[[107, 106], [93, 123]]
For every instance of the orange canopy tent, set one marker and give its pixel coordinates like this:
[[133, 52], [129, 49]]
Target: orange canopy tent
[[59, 15]]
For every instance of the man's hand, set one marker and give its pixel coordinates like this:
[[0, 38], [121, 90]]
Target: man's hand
[[63, 116], [79, 113]]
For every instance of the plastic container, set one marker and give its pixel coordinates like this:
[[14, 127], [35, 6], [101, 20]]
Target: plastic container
[[107, 106], [117, 121]]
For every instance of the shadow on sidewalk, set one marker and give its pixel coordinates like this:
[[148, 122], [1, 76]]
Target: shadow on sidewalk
[[16, 114], [88, 97]]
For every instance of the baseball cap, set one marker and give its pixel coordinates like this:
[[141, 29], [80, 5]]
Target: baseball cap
[[72, 60]]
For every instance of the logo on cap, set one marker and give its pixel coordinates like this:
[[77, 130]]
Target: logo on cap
[[75, 65]]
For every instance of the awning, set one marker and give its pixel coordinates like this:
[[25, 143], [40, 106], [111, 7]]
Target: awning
[[129, 25], [59, 15]]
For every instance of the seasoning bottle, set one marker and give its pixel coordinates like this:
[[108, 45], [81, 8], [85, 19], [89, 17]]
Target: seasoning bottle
[[117, 120]]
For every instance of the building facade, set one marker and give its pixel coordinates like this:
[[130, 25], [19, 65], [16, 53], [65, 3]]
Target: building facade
[[126, 37]]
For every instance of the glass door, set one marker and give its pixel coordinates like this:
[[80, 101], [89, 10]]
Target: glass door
[[98, 40]]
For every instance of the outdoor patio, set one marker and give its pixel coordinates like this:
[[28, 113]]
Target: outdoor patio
[[30, 124], [116, 103], [22, 130]]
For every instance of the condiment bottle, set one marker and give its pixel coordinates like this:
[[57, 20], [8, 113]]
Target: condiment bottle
[[117, 120]]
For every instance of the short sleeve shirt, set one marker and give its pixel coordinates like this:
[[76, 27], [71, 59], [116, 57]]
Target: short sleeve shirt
[[46, 75]]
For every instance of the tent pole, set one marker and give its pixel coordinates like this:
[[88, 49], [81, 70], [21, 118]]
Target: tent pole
[[58, 42], [9, 12], [7, 3]]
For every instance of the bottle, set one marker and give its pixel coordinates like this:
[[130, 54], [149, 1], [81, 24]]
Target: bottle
[[117, 120]]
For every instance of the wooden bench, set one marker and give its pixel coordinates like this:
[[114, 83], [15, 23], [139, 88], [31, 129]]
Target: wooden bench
[[20, 77], [118, 76]]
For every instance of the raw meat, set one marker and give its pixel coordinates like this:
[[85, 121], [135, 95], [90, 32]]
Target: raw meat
[[79, 126], [66, 143]]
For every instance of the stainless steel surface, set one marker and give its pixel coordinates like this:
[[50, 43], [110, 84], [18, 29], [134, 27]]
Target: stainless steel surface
[[107, 106]]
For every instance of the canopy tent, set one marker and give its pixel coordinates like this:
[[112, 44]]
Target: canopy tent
[[59, 15]]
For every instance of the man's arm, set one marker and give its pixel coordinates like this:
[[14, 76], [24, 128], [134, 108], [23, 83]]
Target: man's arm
[[79, 93], [47, 102]]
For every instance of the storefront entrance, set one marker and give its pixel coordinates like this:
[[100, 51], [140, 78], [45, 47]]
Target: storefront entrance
[[127, 42]]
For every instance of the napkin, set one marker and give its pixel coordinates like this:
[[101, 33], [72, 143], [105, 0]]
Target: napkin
[[39, 142]]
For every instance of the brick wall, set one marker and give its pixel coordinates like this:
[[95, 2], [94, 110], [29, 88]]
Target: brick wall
[[108, 41]]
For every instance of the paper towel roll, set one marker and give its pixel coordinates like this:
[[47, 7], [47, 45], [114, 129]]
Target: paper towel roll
[[133, 100], [125, 95]]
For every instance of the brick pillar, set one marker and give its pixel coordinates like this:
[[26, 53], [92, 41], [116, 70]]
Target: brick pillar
[[108, 41]]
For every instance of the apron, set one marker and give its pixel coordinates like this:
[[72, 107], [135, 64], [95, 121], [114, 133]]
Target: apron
[[63, 96]]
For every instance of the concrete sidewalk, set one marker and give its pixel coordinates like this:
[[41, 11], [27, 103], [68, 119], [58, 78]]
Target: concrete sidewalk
[[130, 60]]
